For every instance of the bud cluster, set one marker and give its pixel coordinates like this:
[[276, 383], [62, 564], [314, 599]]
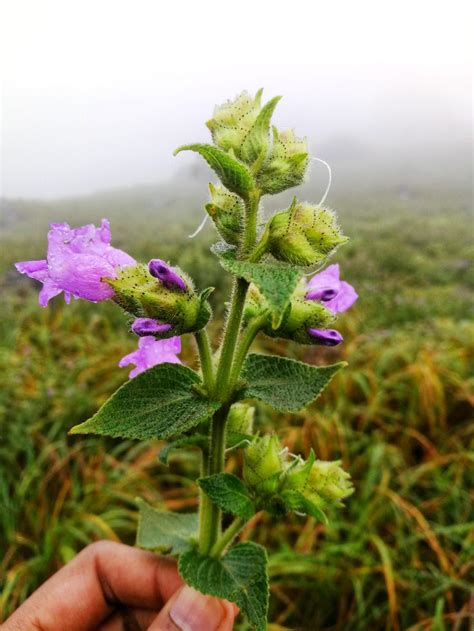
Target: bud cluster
[[226, 209], [272, 477], [287, 163], [233, 121], [304, 234], [162, 298]]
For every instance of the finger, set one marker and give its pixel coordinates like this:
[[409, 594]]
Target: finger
[[190, 610], [131, 620], [86, 591]]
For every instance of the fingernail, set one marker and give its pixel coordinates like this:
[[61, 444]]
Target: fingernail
[[192, 611]]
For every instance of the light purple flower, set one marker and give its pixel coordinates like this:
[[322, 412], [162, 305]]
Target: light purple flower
[[148, 326], [164, 272], [151, 352], [76, 261], [326, 337], [336, 294]]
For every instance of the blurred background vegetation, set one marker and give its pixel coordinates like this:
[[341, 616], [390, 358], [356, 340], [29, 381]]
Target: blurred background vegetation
[[400, 555]]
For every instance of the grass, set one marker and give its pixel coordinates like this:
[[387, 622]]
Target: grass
[[399, 556]]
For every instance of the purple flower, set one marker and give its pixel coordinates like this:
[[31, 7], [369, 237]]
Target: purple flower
[[148, 326], [151, 352], [170, 279], [326, 337], [336, 294], [76, 261]]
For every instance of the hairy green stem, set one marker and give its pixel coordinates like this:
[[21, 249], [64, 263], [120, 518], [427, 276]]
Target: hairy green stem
[[205, 506], [230, 339], [227, 537], [250, 230], [260, 248], [205, 357], [210, 514], [248, 337]]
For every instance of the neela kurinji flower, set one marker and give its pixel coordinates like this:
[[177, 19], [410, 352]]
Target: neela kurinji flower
[[151, 352], [312, 309], [336, 295], [77, 262]]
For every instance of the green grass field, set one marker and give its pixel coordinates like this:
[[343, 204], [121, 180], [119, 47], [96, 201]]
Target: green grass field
[[400, 555]]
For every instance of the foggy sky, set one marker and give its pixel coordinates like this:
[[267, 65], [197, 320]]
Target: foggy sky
[[98, 94]]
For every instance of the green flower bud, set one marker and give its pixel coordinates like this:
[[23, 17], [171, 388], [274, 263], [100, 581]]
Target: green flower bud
[[263, 464], [287, 163], [322, 484], [300, 316], [304, 234], [226, 211], [240, 418], [144, 296], [233, 120]]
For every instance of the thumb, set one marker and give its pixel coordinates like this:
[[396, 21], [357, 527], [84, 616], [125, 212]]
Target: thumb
[[189, 610]]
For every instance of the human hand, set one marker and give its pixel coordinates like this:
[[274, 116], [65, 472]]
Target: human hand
[[113, 587]]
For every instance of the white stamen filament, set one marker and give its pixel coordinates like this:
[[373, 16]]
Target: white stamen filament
[[199, 228], [242, 442], [328, 187]]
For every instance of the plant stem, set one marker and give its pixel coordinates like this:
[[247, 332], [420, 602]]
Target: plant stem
[[230, 339], [260, 248], [250, 231], [205, 357], [205, 505], [227, 536], [248, 337], [210, 514]]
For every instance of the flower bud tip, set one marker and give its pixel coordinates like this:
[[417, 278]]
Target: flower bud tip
[[170, 279], [326, 337]]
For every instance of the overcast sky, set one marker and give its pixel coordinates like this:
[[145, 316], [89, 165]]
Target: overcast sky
[[98, 93]]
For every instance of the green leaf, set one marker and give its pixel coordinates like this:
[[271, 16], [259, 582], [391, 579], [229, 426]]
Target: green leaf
[[196, 440], [286, 384], [256, 142], [229, 493], [165, 531], [159, 403], [234, 175], [296, 501], [276, 282], [239, 576]]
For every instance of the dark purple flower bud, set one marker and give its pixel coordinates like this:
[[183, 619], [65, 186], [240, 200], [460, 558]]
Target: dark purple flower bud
[[326, 337], [148, 326], [324, 294], [170, 279]]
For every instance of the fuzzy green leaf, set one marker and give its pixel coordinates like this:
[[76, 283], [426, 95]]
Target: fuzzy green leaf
[[276, 282], [158, 403], [286, 384], [296, 501], [165, 531], [229, 493], [256, 142], [233, 174], [239, 576]]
